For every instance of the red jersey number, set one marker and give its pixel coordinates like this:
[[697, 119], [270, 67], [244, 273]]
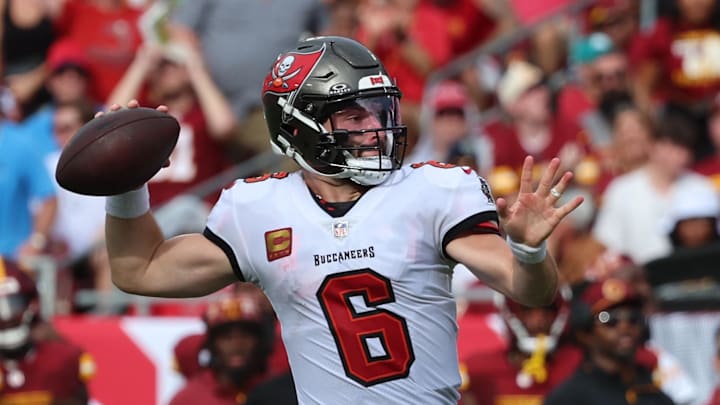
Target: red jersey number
[[356, 332]]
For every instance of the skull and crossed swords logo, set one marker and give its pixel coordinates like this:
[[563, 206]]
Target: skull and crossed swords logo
[[280, 78]]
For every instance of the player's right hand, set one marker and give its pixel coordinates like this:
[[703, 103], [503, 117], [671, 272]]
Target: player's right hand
[[134, 104], [131, 104]]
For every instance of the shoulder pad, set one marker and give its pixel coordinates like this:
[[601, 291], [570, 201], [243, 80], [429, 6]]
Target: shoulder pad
[[445, 175], [254, 188]]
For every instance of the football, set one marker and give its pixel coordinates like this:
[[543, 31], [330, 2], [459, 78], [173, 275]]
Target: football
[[117, 152]]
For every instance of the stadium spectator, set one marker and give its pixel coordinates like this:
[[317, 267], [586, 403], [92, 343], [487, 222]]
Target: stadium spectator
[[108, 32], [228, 33], [80, 219], [630, 143], [176, 76], [450, 129], [27, 33], [634, 204], [670, 374], [609, 324], [69, 73], [619, 19], [693, 217], [326, 286], [24, 232], [68, 81], [531, 126], [76, 241], [537, 358], [239, 335], [675, 67], [600, 71], [36, 370]]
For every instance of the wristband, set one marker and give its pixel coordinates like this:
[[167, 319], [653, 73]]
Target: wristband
[[129, 205], [527, 254]]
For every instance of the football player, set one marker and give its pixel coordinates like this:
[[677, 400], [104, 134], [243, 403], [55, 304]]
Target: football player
[[34, 371], [354, 249], [239, 337], [537, 357]]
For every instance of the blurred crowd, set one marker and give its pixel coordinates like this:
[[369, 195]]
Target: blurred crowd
[[625, 92]]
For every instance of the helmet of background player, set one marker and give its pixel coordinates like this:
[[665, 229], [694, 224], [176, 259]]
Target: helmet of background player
[[542, 336], [322, 76], [19, 308], [239, 336]]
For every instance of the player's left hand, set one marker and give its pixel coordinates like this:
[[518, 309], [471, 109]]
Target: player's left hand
[[533, 215]]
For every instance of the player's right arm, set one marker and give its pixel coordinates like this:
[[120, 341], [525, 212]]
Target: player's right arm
[[143, 262]]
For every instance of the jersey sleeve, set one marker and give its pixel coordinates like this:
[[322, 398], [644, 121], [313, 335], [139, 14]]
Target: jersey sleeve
[[222, 230], [467, 204]]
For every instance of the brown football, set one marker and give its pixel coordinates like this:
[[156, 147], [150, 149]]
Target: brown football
[[117, 152]]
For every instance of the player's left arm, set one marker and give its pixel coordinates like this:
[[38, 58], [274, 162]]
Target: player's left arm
[[524, 272]]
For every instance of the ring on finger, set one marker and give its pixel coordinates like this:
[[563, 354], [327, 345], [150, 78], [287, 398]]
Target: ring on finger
[[555, 193]]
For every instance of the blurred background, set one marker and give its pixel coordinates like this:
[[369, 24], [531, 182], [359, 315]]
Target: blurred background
[[625, 92]]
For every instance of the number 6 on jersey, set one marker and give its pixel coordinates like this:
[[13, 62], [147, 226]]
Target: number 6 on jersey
[[353, 331]]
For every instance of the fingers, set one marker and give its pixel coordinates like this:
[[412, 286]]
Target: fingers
[[546, 181], [562, 185], [569, 206], [131, 104], [526, 175]]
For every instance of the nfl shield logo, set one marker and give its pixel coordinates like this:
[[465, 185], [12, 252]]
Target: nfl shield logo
[[340, 229]]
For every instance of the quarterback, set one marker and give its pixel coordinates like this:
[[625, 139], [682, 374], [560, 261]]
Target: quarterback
[[355, 249]]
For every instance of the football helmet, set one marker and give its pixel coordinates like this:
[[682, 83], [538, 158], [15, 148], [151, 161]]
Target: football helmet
[[528, 341], [233, 309], [309, 85], [246, 311], [19, 306]]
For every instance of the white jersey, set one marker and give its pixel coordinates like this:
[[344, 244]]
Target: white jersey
[[364, 300]]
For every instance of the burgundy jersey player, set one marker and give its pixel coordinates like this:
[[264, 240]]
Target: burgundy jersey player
[[35, 371], [536, 359]]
